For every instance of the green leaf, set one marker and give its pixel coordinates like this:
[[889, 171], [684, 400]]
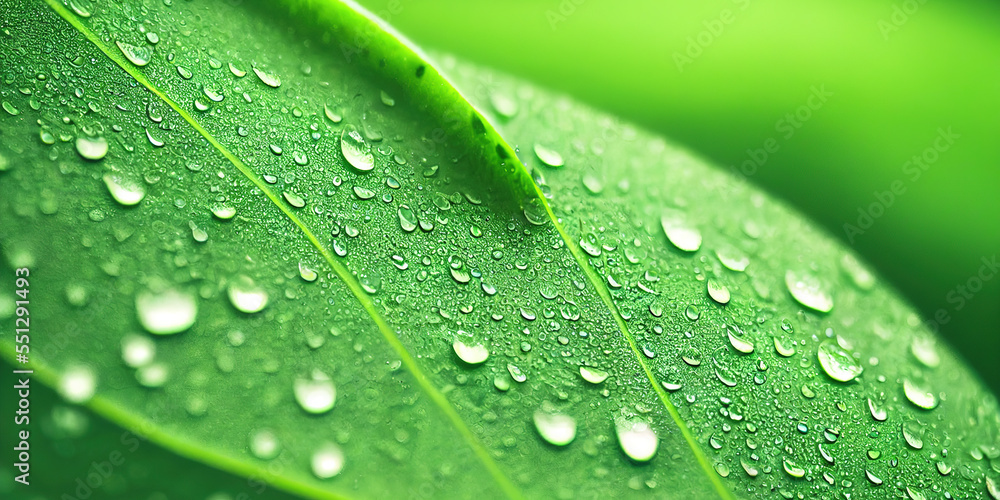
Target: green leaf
[[275, 240]]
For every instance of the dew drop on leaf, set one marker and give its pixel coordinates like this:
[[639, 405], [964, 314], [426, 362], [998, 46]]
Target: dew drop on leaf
[[92, 148], [681, 234], [268, 79], [839, 364], [593, 375], [919, 395], [264, 444], [535, 213], [327, 461], [137, 350], [548, 156], [154, 374], [77, 384], [355, 149], [407, 220], [807, 290], [307, 273], [125, 192], [316, 393], [718, 292], [167, 312], [137, 55], [472, 354], [246, 296], [637, 439], [555, 428]]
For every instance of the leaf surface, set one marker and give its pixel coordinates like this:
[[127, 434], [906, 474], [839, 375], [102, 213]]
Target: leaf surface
[[321, 239]]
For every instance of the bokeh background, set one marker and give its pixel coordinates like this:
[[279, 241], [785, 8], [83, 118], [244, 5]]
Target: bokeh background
[[897, 78]]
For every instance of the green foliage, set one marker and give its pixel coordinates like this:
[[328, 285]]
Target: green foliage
[[274, 240]]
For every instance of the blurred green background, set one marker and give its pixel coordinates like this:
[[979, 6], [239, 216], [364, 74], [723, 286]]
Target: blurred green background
[[722, 76]]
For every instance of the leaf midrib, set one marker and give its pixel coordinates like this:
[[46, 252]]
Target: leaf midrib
[[388, 333]]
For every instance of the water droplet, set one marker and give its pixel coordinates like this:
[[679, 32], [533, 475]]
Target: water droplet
[[863, 278], [877, 413], [139, 56], [873, 478], [535, 213], [363, 193], [783, 348], [593, 375], [637, 439], [126, 192], [224, 212], [167, 312], [10, 109], [914, 494], [807, 289], [516, 373], [839, 364], [722, 469], [184, 72], [92, 148], [237, 72], [316, 394], [750, 469], [294, 199], [137, 350], [548, 156], [387, 99], [718, 292], [264, 444], [919, 395], [153, 140], [923, 348], [77, 384], [152, 375], [355, 149], [268, 79], [738, 340], [247, 296], [792, 468], [732, 258], [82, 8], [327, 461], [993, 487], [407, 220], [504, 104], [912, 437], [307, 273], [556, 428], [682, 235], [473, 354], [332, 115]]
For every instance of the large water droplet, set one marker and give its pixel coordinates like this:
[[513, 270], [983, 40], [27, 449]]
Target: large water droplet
[[92, 148], [77, 384], [738, 340], [732, 258], [246, 295], [472, 354], [807, 289], [837, 362], [535, 213], [681, 234], [792, 468], [548, 156], [124, 191], [355, 149], [593, 375], [167, 312], [316, 393], [268, 79], [918, 395], [637, 439], [718, 292], [327, 461], [138, 55], [556, 428], [923, 348]]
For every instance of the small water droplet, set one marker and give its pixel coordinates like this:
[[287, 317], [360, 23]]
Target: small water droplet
[[355, 149], [224, 212], [332, 115], [264, 444], [839, 364], [792, 468], [873, 478], [732, 258], [184, 72], [10, 109], [237, 72], [294, 199], [407, 220], [535, 213], [316, 393], [912, 437], [877, 413], [738, 340], [718, 292], [307, 273], [167, 312], [137, 350], [924, 349], [516, 373], [246, 296]]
